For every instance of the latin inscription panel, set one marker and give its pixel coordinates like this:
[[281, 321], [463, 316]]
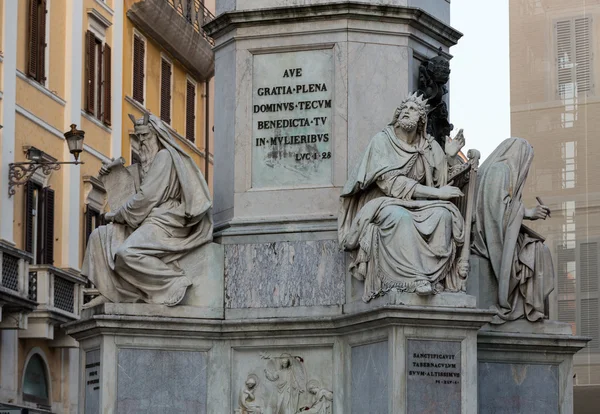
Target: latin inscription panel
[[92, 382], [291, 119], [434, 377]]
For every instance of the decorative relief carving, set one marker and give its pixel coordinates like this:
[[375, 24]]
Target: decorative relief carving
[[286, 389]]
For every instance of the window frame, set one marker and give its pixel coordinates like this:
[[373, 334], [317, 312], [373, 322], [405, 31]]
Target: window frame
[[144, 65], [33, 400], [556, 85], [163, 57], [195, 84]]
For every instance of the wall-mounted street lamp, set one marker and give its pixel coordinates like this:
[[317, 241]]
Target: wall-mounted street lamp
[[20, 172]]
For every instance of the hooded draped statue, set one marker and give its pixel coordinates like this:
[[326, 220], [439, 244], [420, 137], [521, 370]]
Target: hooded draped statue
[[134, 258], [521, 263], [395, 215]]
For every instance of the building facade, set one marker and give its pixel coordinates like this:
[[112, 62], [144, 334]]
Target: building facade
[[555, 105], [90, 63]]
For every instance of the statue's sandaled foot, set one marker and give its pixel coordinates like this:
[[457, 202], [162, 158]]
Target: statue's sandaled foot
[[98, 300], [178, 294], [424, 289]]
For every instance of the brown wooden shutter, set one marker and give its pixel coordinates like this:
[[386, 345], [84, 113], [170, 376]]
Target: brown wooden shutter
[[190, 112], [42, 42], [29, 207], [89, 223], [138, 69], [48, 226], [100, 79], [32, 68], [107, 85], [165, 91], [90, 59]]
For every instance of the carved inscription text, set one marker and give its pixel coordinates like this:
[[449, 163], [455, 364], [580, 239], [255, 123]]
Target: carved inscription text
[[291, 119]]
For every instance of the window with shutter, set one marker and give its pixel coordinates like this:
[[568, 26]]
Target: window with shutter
[[36, 67], [566, 265], [590, 322], [30, 213], [139, 51], [93, 220], [588, 256], [90, 72], [107, 108], [165, 91], [589, 273], [47, 239], [583, 55], [190, 112], [99, 85], [573, 57]]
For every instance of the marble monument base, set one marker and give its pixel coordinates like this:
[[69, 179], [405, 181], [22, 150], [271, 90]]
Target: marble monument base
[[391, 359], [526, 367]]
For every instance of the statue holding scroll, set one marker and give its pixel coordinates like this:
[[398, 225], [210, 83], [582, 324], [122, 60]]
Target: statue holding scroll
[[396, 217], [134, 258]]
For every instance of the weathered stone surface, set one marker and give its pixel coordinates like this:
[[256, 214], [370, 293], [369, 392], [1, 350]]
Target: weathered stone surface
[[283, 274], [152, 381], [92, 381], [370, 378], [434, 377], [204, 267], [506, 388]]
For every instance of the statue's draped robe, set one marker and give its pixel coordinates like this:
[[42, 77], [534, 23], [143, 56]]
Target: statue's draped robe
[[135, 258], [521, 263], [398, 241]]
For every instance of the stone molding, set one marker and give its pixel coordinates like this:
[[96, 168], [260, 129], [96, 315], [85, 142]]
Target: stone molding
[[276, 225], [109, 318], [416, 18]]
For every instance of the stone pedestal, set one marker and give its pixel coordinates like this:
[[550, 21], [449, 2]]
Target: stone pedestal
[[526, 368], [274, 321], [390, 359], [302, 87]]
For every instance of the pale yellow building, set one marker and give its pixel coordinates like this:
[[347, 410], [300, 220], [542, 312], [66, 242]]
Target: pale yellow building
[[555, 104], [89, 63]]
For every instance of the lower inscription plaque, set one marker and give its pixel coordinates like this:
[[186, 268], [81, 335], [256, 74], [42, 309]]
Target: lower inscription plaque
[[434, 377], [92, 382]]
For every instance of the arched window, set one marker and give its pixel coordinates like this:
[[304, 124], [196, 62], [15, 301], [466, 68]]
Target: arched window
[[35, 381]]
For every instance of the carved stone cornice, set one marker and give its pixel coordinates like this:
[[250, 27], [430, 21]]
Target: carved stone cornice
[[416, 18]]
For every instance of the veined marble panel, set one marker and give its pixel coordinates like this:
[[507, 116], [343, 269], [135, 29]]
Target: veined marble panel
[[284, 274], [506, 388], [370, 378], [155, 382]]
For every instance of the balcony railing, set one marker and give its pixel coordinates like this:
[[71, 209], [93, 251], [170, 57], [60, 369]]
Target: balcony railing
[[195, 13], [59, 293], [15, 303]]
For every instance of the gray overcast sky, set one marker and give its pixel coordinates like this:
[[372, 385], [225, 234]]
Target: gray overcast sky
[[480, 78]]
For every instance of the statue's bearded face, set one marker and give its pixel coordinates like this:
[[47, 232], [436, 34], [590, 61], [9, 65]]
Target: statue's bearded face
[[148, 147], [410, 115]]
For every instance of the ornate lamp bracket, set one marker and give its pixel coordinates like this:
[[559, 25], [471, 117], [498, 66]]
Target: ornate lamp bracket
[[20, 172]]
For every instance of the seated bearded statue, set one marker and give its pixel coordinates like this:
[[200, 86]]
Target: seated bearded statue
[[396, 216]]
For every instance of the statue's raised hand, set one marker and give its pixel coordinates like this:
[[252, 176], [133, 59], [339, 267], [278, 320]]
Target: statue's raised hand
[[449, 192], [538, 212], [455, 145]]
